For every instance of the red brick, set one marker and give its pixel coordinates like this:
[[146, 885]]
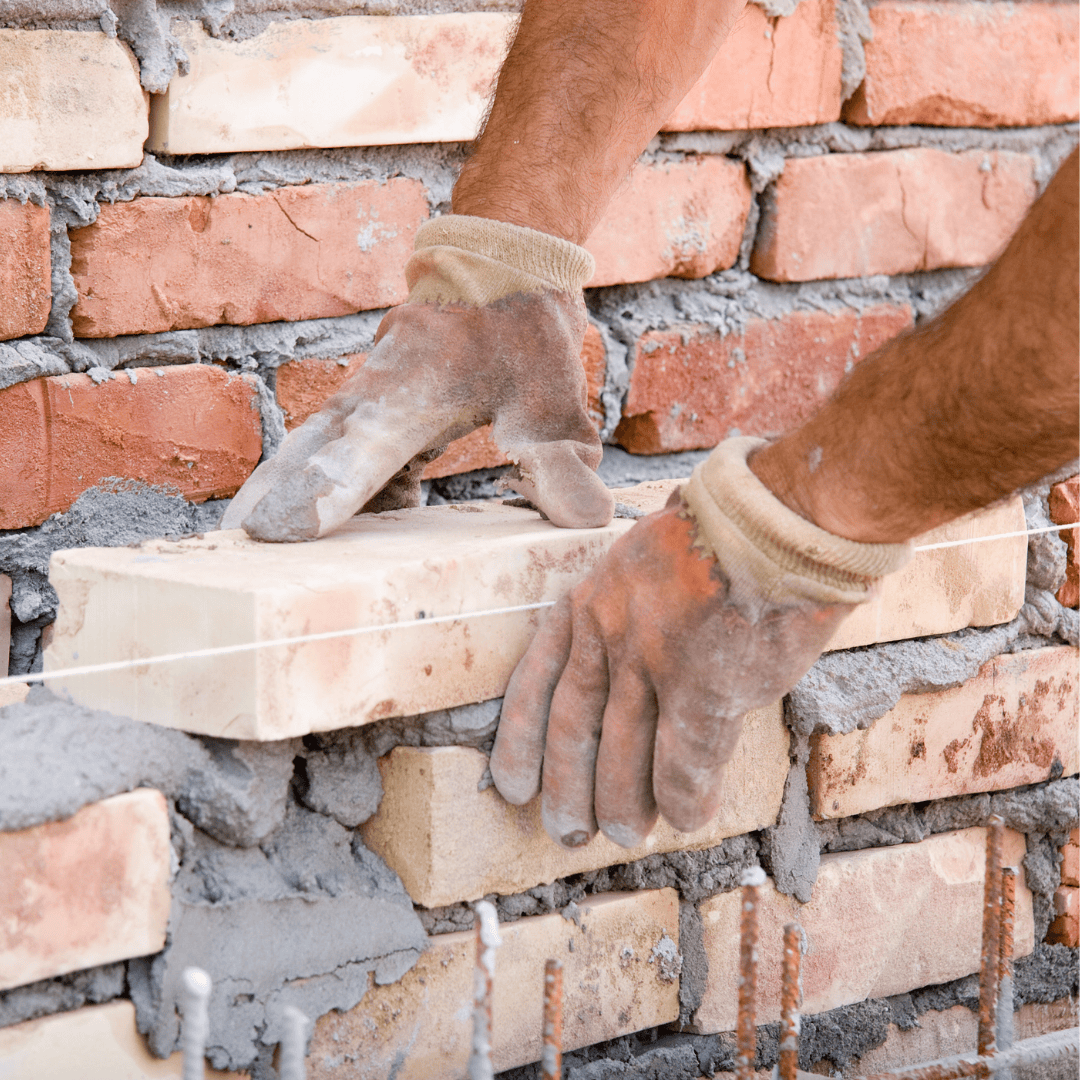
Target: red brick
[[1064, 510], [25, 266], [1065, 929], [892, 212], [1070, 864], [309, 252], [690, 386], [769, 73], [969, 65], [303, 386], [673, 219], [194, 428]]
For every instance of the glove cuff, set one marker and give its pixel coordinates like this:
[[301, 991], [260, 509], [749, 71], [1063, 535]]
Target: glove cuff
[[560, 264], [766, 548]]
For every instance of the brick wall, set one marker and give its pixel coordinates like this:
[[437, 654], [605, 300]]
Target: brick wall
[[205, 220]]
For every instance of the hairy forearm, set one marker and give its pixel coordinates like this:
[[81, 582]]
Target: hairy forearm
[[958, 413], [584, 88]]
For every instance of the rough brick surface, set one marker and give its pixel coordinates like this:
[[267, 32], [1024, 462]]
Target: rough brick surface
[[942, 64], [420, 1028], [349, 81], [193, 427], [881, 921], [450, 842], [1065, 929], [25, 266], [691, 387], [86, 891], [1070, 860], [71, 100], [1064, 510], [771, 72], [891, 212], [1015, 723], [307, 252], [672, 219]]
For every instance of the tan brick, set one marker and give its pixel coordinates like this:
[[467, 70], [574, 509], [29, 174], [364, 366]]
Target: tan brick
[[85, 891], [692, 386], [674, 219], [1064, 504], [71, 100], [192, 427], [1037, 1018], [449, 842], [349, 81], [769, 73], [881, 921], [309, 252], [1070, 865], [891, 212], [1010, 725], [420, 1028], [1065, 929], [95, 1043], [930, 63], [25, 264]]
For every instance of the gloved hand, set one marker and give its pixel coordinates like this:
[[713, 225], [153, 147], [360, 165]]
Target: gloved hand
[[492, 331], [631, 696]]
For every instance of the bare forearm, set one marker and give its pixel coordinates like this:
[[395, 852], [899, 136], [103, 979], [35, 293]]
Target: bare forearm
[[583, 90], [958, 413]]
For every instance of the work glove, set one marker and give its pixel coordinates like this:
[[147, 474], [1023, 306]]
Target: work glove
[[631, 696], [491, 332]]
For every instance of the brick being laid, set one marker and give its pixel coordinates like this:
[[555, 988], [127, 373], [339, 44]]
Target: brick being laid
[[406, 566], [882, 921], [25, 266]]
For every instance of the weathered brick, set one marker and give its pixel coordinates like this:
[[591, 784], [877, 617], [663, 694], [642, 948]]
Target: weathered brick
[[942, 64], [881, 921], [1015, 723], [673, 219], [72, 100], [1065, 510], [158, 264], [1070, 864], [891, 212], [89, 890], [449, 841], [1065, 929], [25, 264], [192, 427], [771, 72], [98, 1042], [614, 982], [349, 81], [692, 386]]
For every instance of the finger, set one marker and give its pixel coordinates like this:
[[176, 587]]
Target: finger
[[518, 753], [554, 477], [625, 807], [402, 490], [573, 740]]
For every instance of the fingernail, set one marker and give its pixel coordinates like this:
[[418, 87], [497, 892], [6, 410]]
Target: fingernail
[[577, 838]]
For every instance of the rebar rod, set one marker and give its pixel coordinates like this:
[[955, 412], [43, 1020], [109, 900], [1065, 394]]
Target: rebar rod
[[487, 941], [293, 1043], [1004, 1019], [551, 1058], [196, 1028], [746, 1034], [990, 960], [789, 1002]]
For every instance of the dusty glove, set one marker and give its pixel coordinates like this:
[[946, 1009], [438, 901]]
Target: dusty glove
[[631, 696], [491, 332]]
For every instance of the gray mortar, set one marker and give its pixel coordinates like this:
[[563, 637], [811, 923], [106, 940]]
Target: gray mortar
[[694, 979], [1047, 552], [853, 30], [92, 986], [790, 849]]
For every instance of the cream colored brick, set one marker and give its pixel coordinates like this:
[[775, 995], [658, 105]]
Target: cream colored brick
[[86, 891], [881, 922], [450, 842], [420, 1028], [168, 597], [96, 1043], [350, 81], [1006, 727], [70, 100]]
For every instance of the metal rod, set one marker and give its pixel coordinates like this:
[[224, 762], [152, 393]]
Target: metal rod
[[789, 1002], [196, 1029], [551, 1059], [746, 1034], [990, 961], [487, 941], [1004, 1018], [293, 1043]]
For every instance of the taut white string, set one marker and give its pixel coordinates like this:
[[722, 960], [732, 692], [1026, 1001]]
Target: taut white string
[[999, 536]]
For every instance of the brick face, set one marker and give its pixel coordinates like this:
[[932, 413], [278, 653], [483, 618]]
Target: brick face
[[194, 428], [891, 212], [25, 266], [156, 264], [691, 387], [1065, 929], [1064, 510], [942, 64]]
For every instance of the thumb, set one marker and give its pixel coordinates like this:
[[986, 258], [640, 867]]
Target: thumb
[[554, 477]]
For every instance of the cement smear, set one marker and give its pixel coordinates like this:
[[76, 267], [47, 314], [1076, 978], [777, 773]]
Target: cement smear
[[93, 986]]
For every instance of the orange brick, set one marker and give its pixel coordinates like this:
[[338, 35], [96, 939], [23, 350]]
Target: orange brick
[[303, 386], [690, 386], [1065, 929], [158, 264], [25, 266], [769, 73], [892, 212], [1064, 510], [932, 63], [194, 428], [675, 219], [1070, 864]]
